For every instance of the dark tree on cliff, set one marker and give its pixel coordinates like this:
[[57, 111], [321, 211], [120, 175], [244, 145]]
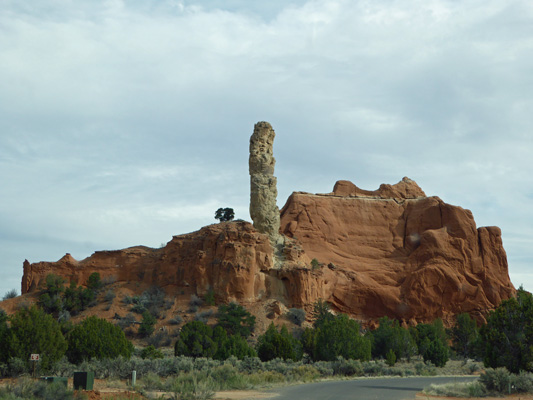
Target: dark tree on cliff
[[321, 313], [224, 214], [235, 320], [508, 334]]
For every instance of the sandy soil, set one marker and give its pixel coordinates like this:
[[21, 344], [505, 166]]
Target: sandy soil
[[244, 394], [421, 396]]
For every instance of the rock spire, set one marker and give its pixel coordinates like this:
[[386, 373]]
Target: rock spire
[[263, 184]]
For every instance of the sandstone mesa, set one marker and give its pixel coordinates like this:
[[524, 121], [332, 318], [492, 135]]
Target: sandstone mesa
[[390, 252]]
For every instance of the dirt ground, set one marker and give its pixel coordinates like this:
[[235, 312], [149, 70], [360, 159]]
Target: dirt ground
[[244, 394], [421, 396]]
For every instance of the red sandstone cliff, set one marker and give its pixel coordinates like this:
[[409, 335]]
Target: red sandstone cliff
[[392, 252], [396, 252]]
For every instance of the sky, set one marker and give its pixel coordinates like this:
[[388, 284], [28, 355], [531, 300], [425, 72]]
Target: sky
[[124, 122]]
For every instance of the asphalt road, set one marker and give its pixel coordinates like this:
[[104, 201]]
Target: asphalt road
[[363, 389]]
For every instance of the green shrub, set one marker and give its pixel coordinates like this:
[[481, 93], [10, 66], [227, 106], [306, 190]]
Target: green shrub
[[5, 338], [11, 294], [126, 321], [296, 316], [229, 346], [266, 378], [210, 298], [273, 344], [151, 352], [147, 324], [425, 369], [390, 358], [340, 336], [507, 337], [152, 300], [227, 377], [391, 336], [432, 342], [94, 282], [188, 387], [436, 353], [373, 368], [159, 339], [78, 298], [34, 331], [26, 388], [18, 367], [195, 301], [195, 340], [464, 335], [497, 380], [235, 320], [251, 364], [522, 382], [203, 316], [110, 296], [97, 338], [152, 381], [304, 373], [176, 320], [457, 389], [471, 367], [347, 367]]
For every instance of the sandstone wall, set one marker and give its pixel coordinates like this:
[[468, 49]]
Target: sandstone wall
[[230, 257], [410, 257]]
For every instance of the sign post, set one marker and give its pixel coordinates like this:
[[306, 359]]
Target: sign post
[[34, 358]]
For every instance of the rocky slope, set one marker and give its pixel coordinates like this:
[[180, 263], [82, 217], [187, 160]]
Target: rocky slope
[[391, 252]]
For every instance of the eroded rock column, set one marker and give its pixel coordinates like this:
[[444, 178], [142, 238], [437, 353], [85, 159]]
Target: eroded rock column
[[263, 184]]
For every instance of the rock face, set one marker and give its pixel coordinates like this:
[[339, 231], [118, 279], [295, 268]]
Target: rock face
[[263, 184], [395, 252], [230, 258], [391, 252]]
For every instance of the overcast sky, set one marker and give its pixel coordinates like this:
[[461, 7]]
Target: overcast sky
[[126, 122]]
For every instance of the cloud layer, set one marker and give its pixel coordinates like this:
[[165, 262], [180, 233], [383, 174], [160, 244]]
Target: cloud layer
[[124, 122]]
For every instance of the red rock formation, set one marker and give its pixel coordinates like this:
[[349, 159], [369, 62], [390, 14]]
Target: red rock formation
[[396, 252], [229, 257], [391, 252]]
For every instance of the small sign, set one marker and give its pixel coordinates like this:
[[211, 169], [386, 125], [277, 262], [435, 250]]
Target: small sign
[[34, 357]]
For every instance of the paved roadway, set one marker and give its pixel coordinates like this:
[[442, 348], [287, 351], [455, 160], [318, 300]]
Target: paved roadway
[[363, 389]]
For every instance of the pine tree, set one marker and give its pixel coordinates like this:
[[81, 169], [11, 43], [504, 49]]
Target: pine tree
[[235, 320]]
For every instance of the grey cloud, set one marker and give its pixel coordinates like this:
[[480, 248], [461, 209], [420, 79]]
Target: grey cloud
[[126, 122]]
